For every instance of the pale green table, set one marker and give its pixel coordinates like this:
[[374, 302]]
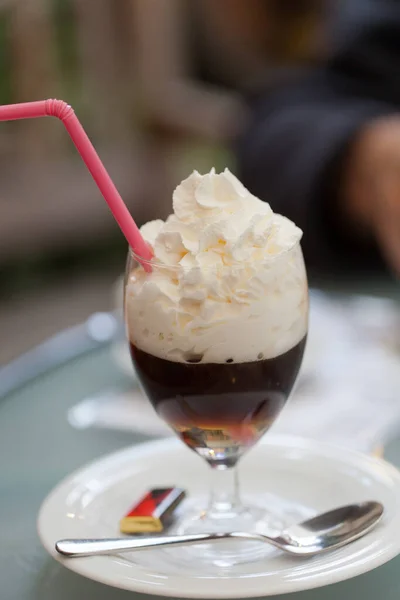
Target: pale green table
[[38, 447]]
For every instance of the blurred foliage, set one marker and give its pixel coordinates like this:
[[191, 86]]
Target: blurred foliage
[[5, 60], [47, 268], [66, 49]]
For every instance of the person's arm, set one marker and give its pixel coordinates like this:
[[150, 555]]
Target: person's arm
[[297, 152]]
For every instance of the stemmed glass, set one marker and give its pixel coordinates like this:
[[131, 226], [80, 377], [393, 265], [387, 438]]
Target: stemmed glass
[[217, 351]]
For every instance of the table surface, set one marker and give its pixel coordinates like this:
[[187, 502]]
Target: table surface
[[38, 447]]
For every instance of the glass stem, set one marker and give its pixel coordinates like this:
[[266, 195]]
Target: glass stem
[[225, 496]]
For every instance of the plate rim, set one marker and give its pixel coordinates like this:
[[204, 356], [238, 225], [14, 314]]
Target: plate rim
[[174, 586]]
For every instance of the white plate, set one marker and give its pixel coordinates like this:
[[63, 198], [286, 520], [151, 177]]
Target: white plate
[[311, 476]]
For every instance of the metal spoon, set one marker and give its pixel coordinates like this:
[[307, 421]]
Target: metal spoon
[[324, 532]]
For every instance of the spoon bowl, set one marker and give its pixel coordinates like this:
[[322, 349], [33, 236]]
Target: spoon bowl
[[329, 530]]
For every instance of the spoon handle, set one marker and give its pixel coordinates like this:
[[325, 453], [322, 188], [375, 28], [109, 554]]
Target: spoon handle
[[92, 547]]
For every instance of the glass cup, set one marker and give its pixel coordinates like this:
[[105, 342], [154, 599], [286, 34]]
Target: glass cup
[[217, 350]]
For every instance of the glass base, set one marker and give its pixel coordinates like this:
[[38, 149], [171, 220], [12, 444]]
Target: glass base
[[225, 554]]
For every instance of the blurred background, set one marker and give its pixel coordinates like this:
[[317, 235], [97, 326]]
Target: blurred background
[[160, 86]]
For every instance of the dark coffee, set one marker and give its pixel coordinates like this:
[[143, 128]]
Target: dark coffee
[[219, 409]]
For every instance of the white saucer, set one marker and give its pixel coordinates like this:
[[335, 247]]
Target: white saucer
[[310, 476]]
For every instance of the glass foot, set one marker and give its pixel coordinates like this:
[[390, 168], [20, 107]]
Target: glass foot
[[225, 554]]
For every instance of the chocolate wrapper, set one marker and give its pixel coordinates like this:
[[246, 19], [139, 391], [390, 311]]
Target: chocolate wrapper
[[153, 512]]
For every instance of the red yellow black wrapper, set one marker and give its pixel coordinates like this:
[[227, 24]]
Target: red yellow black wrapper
[[153, 511]]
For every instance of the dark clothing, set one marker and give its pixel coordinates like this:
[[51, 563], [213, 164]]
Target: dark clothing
[[293, 151]]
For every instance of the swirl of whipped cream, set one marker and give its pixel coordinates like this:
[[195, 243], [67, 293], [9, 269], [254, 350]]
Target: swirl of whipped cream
[[228, 283]]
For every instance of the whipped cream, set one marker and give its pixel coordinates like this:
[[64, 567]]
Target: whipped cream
[[229, 281]]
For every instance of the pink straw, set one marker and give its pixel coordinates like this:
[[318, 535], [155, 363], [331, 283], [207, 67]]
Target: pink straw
[[66, 114]]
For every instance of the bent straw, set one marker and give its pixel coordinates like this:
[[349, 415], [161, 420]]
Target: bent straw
[[66, 114]]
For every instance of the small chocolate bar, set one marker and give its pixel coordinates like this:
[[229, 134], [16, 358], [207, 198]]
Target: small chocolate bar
[[153, 511]]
